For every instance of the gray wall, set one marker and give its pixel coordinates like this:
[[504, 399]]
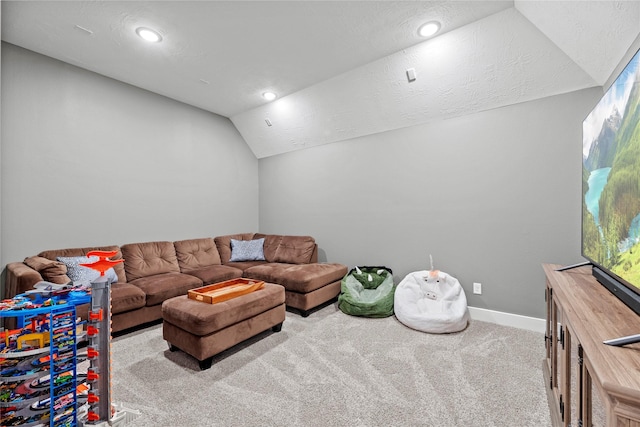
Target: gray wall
[[87, 160], [490, 195]]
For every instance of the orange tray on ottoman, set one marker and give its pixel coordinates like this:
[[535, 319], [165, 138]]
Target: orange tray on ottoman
[[226, 290]]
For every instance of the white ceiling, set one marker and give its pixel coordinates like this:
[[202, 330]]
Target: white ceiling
[[339, 67]]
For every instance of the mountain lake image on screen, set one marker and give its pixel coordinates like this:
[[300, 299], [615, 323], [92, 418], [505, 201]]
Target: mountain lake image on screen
[[611, 180]]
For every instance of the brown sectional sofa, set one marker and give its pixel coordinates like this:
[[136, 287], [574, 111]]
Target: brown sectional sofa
[[156, 271]]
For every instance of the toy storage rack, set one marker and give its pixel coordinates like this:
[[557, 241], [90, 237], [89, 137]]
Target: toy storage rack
[[62, 360]]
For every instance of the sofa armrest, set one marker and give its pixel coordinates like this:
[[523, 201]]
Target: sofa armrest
[[19, 279]]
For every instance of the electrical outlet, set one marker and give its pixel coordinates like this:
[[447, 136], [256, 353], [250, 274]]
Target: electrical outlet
[[477, 288]]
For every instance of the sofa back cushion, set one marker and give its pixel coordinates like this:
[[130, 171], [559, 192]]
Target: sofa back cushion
[[73, 252], [147, 259], [223, 244], [194, 254], [295, 249], [271, 244]]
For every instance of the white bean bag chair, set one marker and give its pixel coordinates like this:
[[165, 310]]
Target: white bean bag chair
[[431, 301]]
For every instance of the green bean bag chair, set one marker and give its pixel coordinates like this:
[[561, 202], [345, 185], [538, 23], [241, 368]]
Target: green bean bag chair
[[367, 292]]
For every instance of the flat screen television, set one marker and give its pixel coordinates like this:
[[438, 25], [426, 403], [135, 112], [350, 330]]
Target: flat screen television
[[611, 187]]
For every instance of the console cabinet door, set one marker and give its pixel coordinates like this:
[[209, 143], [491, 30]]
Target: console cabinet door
[[553, 358], [593, 407]]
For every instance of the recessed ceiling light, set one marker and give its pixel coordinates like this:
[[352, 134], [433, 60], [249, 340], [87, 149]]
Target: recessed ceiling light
[[429, 29], [149, 35], [269, 96]]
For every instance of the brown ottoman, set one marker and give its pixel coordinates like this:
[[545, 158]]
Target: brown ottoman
[[204, 330]]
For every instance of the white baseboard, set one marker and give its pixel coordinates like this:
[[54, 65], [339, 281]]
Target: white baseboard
[[508, 319]]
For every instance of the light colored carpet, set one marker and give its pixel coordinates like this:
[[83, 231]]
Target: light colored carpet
[[331, 369]]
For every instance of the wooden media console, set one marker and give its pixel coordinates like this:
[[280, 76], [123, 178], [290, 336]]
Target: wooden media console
[[589, 383]]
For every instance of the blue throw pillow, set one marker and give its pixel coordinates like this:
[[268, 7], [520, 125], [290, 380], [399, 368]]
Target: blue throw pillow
[[85, 275], [247, 250]]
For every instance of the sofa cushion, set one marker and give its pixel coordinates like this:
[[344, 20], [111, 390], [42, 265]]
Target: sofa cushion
[[160, 287], [126, 297], [288, 249], [268, 272], [119, 268], [194, 254], [149, 259], [247, 250], [271, 244], [216, 273], [202, 319], [50, 270], [223, 243], [300, 278], [243, 265], [295, 249]]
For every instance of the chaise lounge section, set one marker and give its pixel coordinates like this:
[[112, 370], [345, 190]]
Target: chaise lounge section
[[290, 261]]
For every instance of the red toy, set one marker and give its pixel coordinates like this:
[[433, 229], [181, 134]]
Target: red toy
[[103, 263]]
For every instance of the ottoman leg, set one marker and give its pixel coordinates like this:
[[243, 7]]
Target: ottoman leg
[[173, 348], [277, 328], [206, 363]]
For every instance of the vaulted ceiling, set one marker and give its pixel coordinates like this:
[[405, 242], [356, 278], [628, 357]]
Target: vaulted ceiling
[[339, 68]]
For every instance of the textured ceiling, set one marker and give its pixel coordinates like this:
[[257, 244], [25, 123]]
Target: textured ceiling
[[339, 67]]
